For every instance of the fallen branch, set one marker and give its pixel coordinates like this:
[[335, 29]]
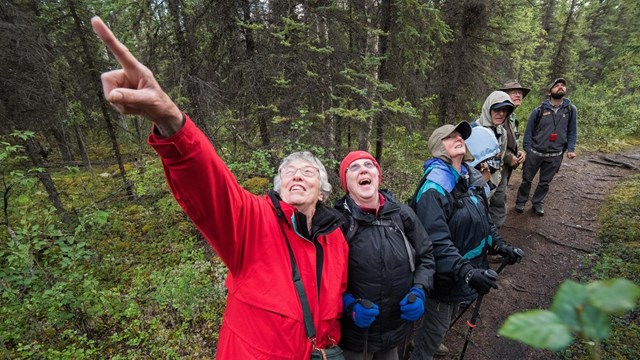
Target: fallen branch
[[607, 163], [579, 227], [620, 163], [592, 198], [549, 239], [630, 157], [553, 241]]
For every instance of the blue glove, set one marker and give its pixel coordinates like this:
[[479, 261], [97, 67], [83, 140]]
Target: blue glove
[[412, 310], [362, 312]]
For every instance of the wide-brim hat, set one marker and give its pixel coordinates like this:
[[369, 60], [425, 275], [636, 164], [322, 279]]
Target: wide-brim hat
[[515, 85]]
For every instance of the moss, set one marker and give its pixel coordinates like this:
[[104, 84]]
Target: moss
[[257, 185], [620, 257]]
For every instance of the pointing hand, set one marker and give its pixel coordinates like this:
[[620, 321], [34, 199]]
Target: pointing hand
[[133, 89]]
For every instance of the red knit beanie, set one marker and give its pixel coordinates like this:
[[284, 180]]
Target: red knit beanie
[[351, 157]]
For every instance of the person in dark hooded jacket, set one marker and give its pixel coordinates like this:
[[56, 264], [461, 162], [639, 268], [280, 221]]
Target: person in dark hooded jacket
[[391, 263], [496, 110], [453, 207]]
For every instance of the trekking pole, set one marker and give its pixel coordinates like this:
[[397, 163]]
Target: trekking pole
[[411, 299], [476, 311], [365, 335], [500, 268]]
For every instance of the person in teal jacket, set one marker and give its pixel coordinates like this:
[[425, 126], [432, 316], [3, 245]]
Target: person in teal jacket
[[453, 207]]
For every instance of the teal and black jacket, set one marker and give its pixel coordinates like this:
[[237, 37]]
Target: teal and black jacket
[[454, 211]]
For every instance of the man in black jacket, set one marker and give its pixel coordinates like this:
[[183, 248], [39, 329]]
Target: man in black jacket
[[391, 263]]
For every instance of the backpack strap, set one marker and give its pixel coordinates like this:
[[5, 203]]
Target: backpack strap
[[399, 224], [538, 116], [352, 229]]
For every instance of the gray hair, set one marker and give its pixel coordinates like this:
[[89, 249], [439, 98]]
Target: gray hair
[[325, 186]]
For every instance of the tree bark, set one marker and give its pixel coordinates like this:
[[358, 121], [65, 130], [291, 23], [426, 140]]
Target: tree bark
[[386, 16], [82, 147], [559, 62], [62, 141], [104, 108], [33, 150]]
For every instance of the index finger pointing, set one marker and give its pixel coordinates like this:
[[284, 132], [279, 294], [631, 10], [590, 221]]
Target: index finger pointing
[[121, 53]]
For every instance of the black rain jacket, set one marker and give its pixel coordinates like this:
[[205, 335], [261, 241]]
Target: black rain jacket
[[380, 270]]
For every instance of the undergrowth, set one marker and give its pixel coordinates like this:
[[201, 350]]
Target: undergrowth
[[618, 257]]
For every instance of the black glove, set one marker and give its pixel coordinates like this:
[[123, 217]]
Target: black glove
[[482, 280], [510, 254]]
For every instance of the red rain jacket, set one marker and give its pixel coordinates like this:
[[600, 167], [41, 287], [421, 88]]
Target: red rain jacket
[[263, 316]]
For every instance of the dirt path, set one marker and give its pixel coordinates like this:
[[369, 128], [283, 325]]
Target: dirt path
[[552, 244]]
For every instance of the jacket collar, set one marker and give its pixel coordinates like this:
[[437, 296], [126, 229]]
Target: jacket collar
[[348, 206], [324, 220]]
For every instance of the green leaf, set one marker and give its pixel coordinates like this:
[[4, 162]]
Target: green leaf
[[23, 199], [101, 217], [614, 295], [568, 299], [541, 329], [595, 323]]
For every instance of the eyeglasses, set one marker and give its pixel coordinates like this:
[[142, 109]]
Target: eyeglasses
[[306, 171], [356, 167]]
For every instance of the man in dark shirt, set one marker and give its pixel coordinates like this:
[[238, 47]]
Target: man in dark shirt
[[551, 130]]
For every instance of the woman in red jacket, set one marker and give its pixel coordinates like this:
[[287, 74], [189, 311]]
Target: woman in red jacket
[[252, 235]]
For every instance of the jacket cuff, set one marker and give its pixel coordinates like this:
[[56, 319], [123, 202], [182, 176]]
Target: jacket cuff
[[176, 145], [464, 270]]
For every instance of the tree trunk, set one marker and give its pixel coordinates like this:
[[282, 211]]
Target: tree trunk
[[559, 62], [82, 147], [93, 73], [33, 150], [385, 22], [62, 142], [547, 16]]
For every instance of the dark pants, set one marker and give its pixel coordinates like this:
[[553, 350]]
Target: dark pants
[[548, 167], [428, 337], [391, 354], [498, 202]]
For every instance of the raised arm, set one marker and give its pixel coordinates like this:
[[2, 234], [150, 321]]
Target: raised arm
[[199, 180], [133, 89]]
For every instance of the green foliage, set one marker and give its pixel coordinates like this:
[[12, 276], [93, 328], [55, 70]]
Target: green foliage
[[402, 161], [584, 309], [257, 163], [257, 185], [131, 280], [577, 310], [620, 215], [611, 129]]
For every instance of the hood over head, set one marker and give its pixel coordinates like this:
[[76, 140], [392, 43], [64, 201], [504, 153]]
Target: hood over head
[[496, 99]]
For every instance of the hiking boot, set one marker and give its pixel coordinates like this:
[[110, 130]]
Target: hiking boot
[[442, 350], [538, 209], [519, 208]]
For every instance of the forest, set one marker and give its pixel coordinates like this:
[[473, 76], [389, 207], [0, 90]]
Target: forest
[[96, 258]]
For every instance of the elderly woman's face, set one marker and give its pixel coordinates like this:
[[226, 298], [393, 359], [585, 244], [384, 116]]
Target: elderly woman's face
[[454, 145], [362, 181], [300, 185]]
